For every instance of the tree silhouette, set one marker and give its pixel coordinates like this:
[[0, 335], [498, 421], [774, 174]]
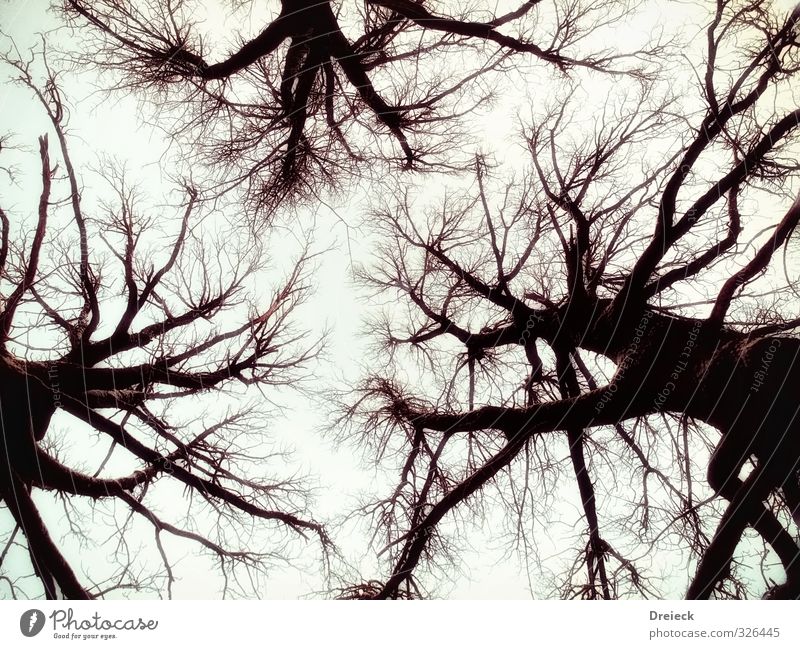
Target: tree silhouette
[[123, 330], [605, 316], [618, 313], [324, 90]]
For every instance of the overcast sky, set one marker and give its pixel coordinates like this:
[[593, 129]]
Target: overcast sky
[[118, 126]]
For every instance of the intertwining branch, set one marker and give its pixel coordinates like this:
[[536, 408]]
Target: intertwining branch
[[115, 320], [321, 90], [607, 317]]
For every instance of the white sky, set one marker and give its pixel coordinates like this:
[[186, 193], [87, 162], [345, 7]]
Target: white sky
[[115, 127]]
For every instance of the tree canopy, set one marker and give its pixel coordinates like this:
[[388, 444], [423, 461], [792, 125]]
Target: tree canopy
[[321, 90], [118, 317], [588, 349]]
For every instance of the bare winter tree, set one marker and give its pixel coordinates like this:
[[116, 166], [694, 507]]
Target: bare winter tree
[[115, 323], [627, 309], [322, 89], [620, 313]]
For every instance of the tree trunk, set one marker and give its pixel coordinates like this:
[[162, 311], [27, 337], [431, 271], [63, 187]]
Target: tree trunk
[[27, 404]]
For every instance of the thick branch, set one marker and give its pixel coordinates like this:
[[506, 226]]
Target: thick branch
[[485, 31], [207, 488], [756, 265], [43, 550], [32, 265]]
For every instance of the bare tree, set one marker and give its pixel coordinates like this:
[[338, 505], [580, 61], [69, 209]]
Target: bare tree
[[325, 89], [606, 317], [116, 322]]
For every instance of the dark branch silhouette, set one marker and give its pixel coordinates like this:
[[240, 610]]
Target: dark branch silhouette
[[550, 333], [136, 330], [301, 103]]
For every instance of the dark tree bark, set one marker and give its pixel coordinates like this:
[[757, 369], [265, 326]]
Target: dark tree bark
[[116, 369], [547, 287], [589, 261], [316, 103]]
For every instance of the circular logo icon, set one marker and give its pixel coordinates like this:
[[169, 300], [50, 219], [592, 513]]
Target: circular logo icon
[[31, 622]]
